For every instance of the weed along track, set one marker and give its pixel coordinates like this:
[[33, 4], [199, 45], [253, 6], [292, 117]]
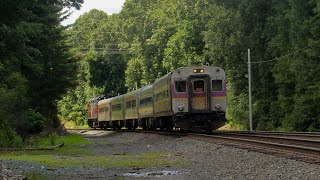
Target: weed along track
[[32, 149]]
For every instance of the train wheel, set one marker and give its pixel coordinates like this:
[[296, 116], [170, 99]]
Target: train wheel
[[169, 127], [114, 125], [208, 131], [144, 127]]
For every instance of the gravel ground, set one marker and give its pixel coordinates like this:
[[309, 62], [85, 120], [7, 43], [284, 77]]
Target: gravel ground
[[201, 160]]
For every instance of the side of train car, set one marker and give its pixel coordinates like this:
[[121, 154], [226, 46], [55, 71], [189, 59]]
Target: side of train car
[[187, 98]]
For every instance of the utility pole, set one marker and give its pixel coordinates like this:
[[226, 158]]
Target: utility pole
[[250, 93]]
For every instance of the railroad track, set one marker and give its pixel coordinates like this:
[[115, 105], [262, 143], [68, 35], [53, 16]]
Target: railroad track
[[302, 147], [302, 135], [299, 146]]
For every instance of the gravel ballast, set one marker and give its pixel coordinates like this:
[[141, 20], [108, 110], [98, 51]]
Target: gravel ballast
[[196, 160]]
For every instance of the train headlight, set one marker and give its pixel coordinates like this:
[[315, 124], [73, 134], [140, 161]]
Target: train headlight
[[198, 71], [218, 106]]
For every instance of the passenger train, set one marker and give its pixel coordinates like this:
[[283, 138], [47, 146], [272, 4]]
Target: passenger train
[[188, 98]]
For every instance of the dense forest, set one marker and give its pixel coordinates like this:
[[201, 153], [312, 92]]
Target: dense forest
[[49, 72], [36, 68]]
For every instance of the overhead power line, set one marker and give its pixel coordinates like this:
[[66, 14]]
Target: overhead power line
[[278, 58], [108, 51]]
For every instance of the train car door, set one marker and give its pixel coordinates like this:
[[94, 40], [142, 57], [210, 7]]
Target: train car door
[[199, 93]]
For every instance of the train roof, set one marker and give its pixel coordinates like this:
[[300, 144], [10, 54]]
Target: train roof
[[132, 92], [146, 88], [197, 70], [163, 77], [104, 101], [118, 97]]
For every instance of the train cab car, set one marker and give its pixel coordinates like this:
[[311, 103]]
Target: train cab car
[[131, 109], [198, 97], [104, 113], [93, 112], [145, 107]]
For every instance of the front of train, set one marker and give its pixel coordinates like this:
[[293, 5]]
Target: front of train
[[199, 97]]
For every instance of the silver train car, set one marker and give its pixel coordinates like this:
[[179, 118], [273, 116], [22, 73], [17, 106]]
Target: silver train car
[[188, 98]]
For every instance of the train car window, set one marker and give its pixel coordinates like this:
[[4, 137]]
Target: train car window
[[217, 85], [146, 101], [101, 110], [134, 103], [160, 96], [128, 105], [116, 107], [198, 86], [181, 86]]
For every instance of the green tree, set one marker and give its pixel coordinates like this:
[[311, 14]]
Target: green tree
[[35, 67], [296, 25]]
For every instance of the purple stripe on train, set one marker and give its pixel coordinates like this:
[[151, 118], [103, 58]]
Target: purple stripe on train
[[220, 93]]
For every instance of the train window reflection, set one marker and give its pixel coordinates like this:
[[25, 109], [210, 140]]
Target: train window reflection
[[217, 85], [198, 86], [181, 86]]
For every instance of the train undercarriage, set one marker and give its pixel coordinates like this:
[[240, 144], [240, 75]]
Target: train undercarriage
[[184, 122]]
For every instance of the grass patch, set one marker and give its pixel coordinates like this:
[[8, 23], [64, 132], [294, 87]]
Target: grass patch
[[73, 125], [72, 147], [74, 154], [129, 160], [69, 140]]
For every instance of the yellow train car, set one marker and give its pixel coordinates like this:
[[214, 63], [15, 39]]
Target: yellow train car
[[163, 102], [131, 109], [104, 113], [117, 112], [145, 107]]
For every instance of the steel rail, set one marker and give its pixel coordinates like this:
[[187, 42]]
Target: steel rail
[[306, 141], [296, 148]]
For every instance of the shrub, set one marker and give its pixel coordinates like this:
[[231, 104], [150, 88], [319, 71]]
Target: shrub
[[9, 138], [17, 142], [33, 142], [4, 139], [35, 122], [53, 138]]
